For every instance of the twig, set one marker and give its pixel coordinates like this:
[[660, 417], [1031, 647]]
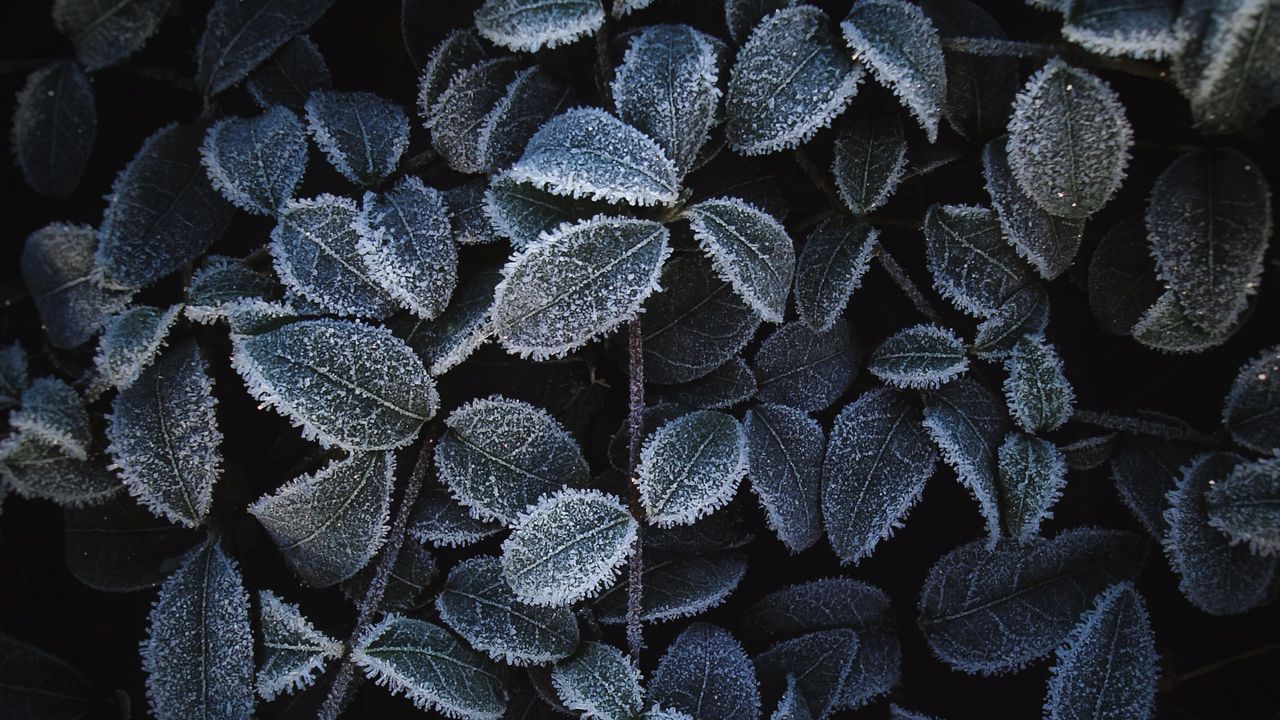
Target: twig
[[904, 283], [1169, 684], [635, 426]]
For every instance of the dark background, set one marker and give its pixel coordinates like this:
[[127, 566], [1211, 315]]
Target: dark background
[[97, 632]]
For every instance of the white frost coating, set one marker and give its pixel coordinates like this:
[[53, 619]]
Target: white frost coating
[[1026, 313], [462, 328], [805, 369], [1039, 397], [362, 134], [1229, 74], [36, 469], [690, 467], [406, 243], [522, 213], [295, 651], [706, 673], [459, 50], [742, 16], [456, 117], [677, 585], [466, 208], [531, 99], [221, 281], [792, 705], [256, 163], [657, 712], [820, 661], [623, 8], [1251, 410], [66, 283], [1149, 31], [131, 342], [1246, 506], [972, 265], [784, 461], [967, 424], [1033, 473], [444, 523], [1165, 327], [897, 712], [531, 25], [869, 160], [830, 268], [899, 43], [600, 682], [920, 357], [568, 547], [1047, 242], [748, 248], [53, 412]]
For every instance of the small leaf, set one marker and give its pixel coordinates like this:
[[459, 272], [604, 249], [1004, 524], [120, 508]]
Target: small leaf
[[676, 584], [222, 282], [1167, 326], [290, 76], [1144, 470], [131, 342], [968, 424], [413, 571], [567, 547], [971, 264], [294, 649], [1032, 476], [1228, 72], [532, 98], [35, 685], [1024, 314], [832, 262], [1246, 506], [741, 16], [448, 340], [444, 523], [54, 125], [238, 36], [870, 156], [726, 386], [1069, 140], [706, 674], [600, 682], [690, 467], [256, 163], [980, 88], [456, 116], [1039, 397], [790, 80], [36, 469], [1251, 410], [784, 455], [406, 243], [1122, 278], [341, 382], [820, 662], [60, 271], [1049, 243], [13, 375], [462, 48], [363, 135], [529, 25], [116, 546], [54, 413], [466, 203], [804, 369], [106, 34], [1144, 30], [524, 214], [922, 356]]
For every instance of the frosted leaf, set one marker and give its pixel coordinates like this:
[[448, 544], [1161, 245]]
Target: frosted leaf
[[1145, 30], [1251, 410], [471, 224], [588, 153], [532, 98], [406, 243], [457, 115], [432, 668], [1246, 506], [131, 342], [877, 462], [1122, 278], [64, 279], [343, 383], [922, 356], [980, 88], [256, 163], [719, 531], [694, 324], [1167, 327], [820, 662], [1209, 222], [1090, 452], [40, 686], [522, 213], [971, 264], [741, 16], [290, 76], [1026, 313], [1049, 243], [315, 249], [254, 316], [1069, 140], [784, 454], [444, 523], [531, 25], [54, 125], [623, 8], [1215, 574], [1228, 68], [413, 571], [222, 282], [294, 650], [54, 413], [33, 468], [1032, 476], [1038, 394], [13, 375], [198, 655], [805, 369], [690, 467], [870, 155], [448, 340], [724, 387], [164, 436], [968, 424], [459, 50], [579, 282], [162, 212], [897, 712], [676, 585], [1144, 470], [899, 43], [832, 262], [478, 605], [362, 134], [104, 33], [666, 87], [568, 547], [1107, 668], [114, 545], [239, 36], [600, 682], [790, 79], [500, 456], [792, 705], [706, 674]]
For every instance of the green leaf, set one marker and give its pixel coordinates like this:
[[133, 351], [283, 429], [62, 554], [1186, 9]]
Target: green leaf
[[530, 25], [968, 424], [806, 369], [748, 248], [54, 413], [706, 674], [65, 281], [971, 264], [55, 123], [1122, 278], [819, 661], [1032, 476], [36, 469], [1038, 394], [600, 682], [784, 462], [1251, 410], [899, 43], [676, 584], [832, 262], [869, 158], [295, 651], [105, 34], [238, 36], [1049, 243], [131, 342], [117, 546], [406, 243], [1227, 71], [524, 214], [440, 521], [922, 356], [1246, 506], [1026, 313], [456, 115], [690, 467]]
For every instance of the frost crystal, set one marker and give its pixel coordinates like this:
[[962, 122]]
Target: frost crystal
[[784, 461], [444, 523], [131, 342], [600, 682], [690, 467], [968, 424], [1039, 397], [1166, 327], [221, 282], [1024, 314], [1145, 30], [522, 213], [456, 116], [806, 369], [1049, 243], [256, 163], [531, 99], [923, 356], [295, 651], [832, 262], [706, 674], [459, 50], [792, 705], [35, 469], [53, 412], [741, 16], [54, 125], [748, 248], [406, 243], [971, 264], [531, 25], [1032, 476], [362, 134], [1246, 506], [1251, 411], [870, 156], [1228, 71], [724, 387], [65, 282], [471, 224]]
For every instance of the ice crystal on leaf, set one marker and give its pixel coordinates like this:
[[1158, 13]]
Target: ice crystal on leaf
[[1246, 506], [600, 682], [805, 369], [104, 33], [1038, 394], [706, 674], [1251, 410], [1025, 314], [456, 114], [971, 264], [923, 356], [690, 467], [131, 342], [820, 662], [256, 163], [65, 283], [1049, 243], [522, 213], [290, 76], [968, 424], [1032, 476], [676, 584], [531, 25], [830, 268], [406, 243], [295, 651], [869, 158], [54, 413], [238, 36], [784, 462], [363, 135]]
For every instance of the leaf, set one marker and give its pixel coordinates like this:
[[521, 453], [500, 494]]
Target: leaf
[[1107, 667], [832, 262], [804, 369], [676, 584], [466, 203], [1209, 223], [35, 685], [1246, 506], [666, 87], [1033, 473], [256, 163], [567, 547], [820, 663], [789, 80], [448, 340], [198, 655], [432, 668], [1122, 278], [1166, 327], [162, 212], [877, 462], [13, 375], [414, 570], [579, 282], [600, 682], [131, 342], [531, 25], [1025, 313], [922, 356], [34, 468], [1251, 410], [363, 135], [588, 153], [1228, 69], [532, 98], [54, 125], [440, 521], [315, 249], [294, 649], [784, 461], [980, 89], [341, 382], [1215, 574], [1144, 470], [694, 324], [968, 424], [456, 115], [478, 605], [290, 76], [524, 214], [406, 243], [500, 456], [117, 546], [238, 36], [719, 531], [65, 282], [706, 674], [1089, 453], [741, 16], [164, 436], [899, 43], [792, 705], [726, 386], [970, 262], [690, 467], [1049, 243], [222, 282], [869, 158], [1069, 140], [1038, 394], [106, 33], [460, 49], [1144, 30], [989, 611], [54, 413]]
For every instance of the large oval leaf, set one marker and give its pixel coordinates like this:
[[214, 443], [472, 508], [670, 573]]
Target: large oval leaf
[[868, 160], [706, 674], [406, 242], [106, 33], [239, 35], [971, 264], [690, 467], [980, 88], [531, 25], [363, 135], [54, 126], [900, 45], [784, 462], [117, 546], [33, 467], [677, 585], [65, 281], [806, 369], [256, 163], [1049, 243], [295, 650]]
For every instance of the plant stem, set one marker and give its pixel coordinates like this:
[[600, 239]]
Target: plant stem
[[818, 178], [995, 47], [904, 283], [1169, 684], [635, 428]]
